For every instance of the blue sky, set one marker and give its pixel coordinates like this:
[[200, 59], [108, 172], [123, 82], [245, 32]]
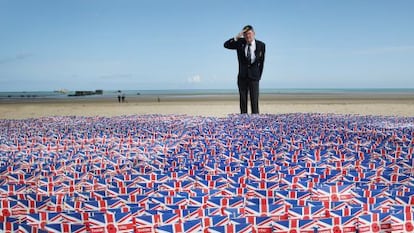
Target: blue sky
[[162, 44]]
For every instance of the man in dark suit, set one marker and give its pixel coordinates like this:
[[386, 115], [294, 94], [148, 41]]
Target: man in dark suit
[[251, 56]]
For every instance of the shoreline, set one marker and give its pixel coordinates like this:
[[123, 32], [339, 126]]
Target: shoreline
[[366, 96], [211, 106]]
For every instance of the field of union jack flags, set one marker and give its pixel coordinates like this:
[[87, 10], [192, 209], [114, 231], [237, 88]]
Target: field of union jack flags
[[178, 173]]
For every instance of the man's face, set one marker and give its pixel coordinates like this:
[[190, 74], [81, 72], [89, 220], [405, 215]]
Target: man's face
[[249, 36]]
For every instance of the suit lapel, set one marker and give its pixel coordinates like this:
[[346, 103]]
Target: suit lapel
[[244, 44], [258, 52]]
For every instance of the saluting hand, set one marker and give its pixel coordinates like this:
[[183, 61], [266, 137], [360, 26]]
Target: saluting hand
[[239, 35]]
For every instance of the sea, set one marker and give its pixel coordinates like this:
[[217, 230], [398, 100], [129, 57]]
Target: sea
[[189, 93]]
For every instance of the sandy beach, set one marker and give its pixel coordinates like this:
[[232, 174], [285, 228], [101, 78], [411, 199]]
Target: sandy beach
[[215, 106]]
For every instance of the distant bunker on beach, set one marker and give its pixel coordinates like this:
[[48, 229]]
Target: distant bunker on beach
[[84, 93]]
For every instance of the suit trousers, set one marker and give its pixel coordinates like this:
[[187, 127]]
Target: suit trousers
[[248, 87]]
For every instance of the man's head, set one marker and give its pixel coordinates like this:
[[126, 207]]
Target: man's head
[[248, 33]]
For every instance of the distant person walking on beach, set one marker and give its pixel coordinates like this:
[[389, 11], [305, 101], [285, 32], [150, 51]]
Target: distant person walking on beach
[[119, 96], [251, 56]]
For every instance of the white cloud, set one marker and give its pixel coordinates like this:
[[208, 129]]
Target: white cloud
[[194, 79]]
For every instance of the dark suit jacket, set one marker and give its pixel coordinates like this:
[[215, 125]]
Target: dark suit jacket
[[252, 71]]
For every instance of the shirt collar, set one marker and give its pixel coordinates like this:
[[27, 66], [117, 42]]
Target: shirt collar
[[253, 44]]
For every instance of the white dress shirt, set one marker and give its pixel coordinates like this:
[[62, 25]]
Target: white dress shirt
[[252, 50]]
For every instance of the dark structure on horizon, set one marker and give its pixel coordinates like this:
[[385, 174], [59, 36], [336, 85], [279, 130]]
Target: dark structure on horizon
[[85, 93]]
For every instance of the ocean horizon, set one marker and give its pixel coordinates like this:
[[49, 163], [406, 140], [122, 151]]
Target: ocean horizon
[[59, 94]]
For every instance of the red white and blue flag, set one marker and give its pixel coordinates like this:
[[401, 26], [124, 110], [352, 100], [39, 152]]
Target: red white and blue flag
[[240, 173]]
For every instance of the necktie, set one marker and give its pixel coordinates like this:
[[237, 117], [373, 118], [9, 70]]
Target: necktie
[[249, 55]]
